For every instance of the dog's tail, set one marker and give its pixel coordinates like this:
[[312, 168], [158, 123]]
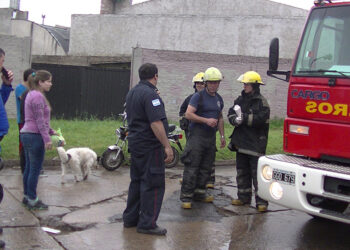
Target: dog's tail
[[62, 154]]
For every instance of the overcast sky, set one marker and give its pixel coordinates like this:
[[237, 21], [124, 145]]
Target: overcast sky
[[58, 12]]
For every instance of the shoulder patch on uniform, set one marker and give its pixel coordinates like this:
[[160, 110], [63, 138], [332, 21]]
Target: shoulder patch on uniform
[[155, 102]]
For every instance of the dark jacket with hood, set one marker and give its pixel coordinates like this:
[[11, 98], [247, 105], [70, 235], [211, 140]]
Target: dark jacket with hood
[[250, 137]]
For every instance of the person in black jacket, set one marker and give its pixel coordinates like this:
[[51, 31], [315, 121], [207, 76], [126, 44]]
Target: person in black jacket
[[250, 115], [198, 85]]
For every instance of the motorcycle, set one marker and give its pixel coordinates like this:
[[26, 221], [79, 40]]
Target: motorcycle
[[113, 157], [174, 137]]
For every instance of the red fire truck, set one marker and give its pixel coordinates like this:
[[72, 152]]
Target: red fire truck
[[314, 174]]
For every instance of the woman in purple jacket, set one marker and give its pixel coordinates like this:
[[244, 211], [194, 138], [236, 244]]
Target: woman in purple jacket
[[35, 135]]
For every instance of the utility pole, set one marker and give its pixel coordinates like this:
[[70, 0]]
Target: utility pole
[[43, 17]]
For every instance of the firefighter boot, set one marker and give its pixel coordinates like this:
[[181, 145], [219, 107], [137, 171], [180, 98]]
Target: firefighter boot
[[204, 198], [186, 205], [210, 185], [208, 199], [238, 202], [261, 208]]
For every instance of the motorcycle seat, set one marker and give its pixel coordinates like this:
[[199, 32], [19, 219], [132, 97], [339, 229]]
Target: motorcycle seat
[[171, 127]]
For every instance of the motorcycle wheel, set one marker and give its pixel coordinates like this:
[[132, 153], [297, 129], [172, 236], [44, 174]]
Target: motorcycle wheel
[[108, 161], [174, 162]]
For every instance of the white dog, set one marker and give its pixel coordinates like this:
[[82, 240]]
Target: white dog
[[79, 159]]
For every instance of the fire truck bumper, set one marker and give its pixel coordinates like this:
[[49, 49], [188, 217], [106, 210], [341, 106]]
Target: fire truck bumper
[[319, 189]]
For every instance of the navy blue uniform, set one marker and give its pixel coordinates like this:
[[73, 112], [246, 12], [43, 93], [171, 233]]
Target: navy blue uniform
[[199, 154], [147, 171]]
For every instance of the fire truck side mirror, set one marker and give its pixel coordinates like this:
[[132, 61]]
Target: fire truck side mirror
[[274, 54]]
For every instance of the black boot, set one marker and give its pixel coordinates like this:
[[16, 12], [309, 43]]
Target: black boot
[[156, 231]]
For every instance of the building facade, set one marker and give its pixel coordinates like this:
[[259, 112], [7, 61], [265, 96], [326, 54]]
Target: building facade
[[184, 37], [21, 39], [205, 26]]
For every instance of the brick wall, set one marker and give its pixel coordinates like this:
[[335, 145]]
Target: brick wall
[[176, 70]]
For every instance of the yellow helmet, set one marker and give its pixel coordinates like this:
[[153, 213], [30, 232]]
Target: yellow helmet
[[250, 77], [212, 74], [198, 77]]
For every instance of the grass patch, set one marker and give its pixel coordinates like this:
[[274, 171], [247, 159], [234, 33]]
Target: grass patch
[[98, 135]]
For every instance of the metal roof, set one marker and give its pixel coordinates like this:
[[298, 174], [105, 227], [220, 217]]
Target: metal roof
[[61, 35]]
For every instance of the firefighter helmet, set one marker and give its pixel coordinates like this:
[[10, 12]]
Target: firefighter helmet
[[198, 77], [212, 74], [250, 77]]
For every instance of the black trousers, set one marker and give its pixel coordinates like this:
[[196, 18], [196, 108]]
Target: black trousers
[[146, 190], [211, 179], [246, 175], [198, 158]]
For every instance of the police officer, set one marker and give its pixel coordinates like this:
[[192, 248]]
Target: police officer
[[250, 115], [205, 113], [148, 145]]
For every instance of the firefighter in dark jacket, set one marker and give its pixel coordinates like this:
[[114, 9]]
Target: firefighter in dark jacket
[[198, 85], [250, 115]]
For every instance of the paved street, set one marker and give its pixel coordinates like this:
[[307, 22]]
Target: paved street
[[88, 214]]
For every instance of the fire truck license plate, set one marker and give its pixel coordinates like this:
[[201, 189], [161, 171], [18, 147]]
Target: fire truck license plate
[[284, 176]]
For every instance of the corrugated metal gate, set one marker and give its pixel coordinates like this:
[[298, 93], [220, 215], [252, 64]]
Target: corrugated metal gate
[[80, 92]]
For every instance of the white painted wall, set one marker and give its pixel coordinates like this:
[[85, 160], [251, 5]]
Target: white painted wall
[[221, 8], [208, 26]]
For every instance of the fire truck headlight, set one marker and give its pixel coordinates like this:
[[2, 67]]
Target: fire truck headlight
[[267, 172], [276, 190]]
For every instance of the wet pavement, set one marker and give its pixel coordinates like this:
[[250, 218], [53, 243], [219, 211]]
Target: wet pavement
[[89, 213]]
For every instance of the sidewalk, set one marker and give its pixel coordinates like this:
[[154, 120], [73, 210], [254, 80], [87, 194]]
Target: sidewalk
[[89, 214]]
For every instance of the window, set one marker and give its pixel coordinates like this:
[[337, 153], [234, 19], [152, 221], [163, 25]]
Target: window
[[325, 47]]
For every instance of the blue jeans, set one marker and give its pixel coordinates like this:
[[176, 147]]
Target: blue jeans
[[34, 150]]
